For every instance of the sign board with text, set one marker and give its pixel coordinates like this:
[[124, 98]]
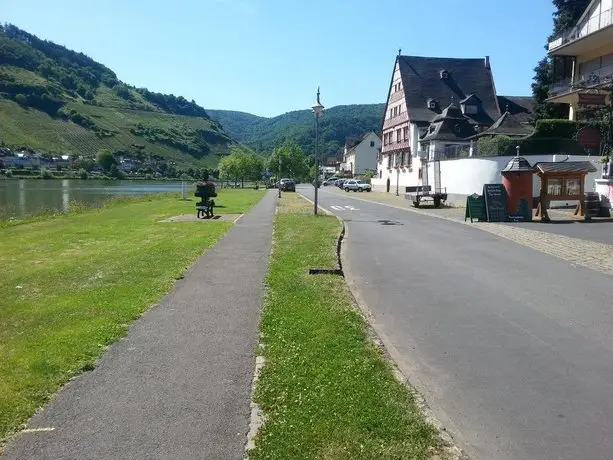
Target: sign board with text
[[495, 202], [475, 208]]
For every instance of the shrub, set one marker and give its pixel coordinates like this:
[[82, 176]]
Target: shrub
[[8, 173], [21, 99], [83, 174], [565, 129], [533, 145], [46, 174]]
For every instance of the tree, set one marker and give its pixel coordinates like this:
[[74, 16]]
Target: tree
[[228, 168], [106, 159], [565, 16], [289, 160]]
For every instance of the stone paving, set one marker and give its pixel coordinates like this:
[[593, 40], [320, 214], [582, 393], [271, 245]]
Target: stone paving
[[589, 254]]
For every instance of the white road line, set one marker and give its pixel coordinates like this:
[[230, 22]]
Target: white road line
[[38, 430]]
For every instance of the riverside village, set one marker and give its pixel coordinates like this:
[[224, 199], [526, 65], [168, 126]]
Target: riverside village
[[414, 260]]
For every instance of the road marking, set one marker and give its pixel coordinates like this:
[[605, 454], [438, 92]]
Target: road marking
[[38, 430], [344, 208]]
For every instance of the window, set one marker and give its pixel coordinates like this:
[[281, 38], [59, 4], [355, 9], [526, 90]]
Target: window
[[380, 173], [405, 133], [431, 104], [554, 187], [469, 109], [398, 135], [389, 162], [573, 186], [372, 143]]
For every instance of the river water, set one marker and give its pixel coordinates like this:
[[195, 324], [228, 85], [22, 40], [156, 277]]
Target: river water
[[27, 196]]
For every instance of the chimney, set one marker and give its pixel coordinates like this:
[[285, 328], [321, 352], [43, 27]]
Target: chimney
[[487, 62]]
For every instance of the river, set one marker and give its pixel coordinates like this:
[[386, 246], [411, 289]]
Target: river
[[27, 196]]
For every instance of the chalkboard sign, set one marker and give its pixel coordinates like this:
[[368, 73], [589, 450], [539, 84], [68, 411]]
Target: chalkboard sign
[[495, 200], [475, 208]]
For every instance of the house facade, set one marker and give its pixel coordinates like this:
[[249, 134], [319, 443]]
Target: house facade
[[361, 154], [583, 60], [434, 106]]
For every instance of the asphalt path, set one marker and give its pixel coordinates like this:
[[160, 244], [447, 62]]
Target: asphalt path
[[512, 349], [178, 386]]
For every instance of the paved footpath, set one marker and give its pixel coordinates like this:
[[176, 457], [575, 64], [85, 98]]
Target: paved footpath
[[178, 386]]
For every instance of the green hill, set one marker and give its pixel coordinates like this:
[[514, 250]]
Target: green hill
[[263, 134], [59, 101]]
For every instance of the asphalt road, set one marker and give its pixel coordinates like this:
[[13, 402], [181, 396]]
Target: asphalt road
[[513, 349], [178, 386]]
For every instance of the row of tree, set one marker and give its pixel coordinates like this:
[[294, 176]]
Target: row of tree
[[286, 160]]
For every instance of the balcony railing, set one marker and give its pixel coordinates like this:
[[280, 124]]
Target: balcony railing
[[584, 80], [594, 24]]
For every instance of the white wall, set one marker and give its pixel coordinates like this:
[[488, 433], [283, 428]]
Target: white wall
[[466, 176], [365, 155]]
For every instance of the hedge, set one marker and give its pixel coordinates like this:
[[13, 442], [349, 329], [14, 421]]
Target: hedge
[[566, 129], [533, 145]]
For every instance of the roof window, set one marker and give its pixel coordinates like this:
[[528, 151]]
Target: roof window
[[444, 75]]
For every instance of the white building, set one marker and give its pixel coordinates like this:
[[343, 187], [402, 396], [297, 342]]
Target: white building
[[361, 154]]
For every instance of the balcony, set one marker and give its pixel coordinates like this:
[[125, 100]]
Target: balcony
[[593, 33], [594, 79]]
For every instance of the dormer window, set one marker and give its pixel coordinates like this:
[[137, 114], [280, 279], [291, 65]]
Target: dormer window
[[444, 75], [469, 109], [431, 104]]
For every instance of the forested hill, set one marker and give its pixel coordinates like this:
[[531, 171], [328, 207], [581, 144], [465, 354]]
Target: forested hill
[[263, 134], [59, 101]]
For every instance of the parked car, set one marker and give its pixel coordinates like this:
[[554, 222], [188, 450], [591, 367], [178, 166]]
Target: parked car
[[339, 183], [356, 186], [287, 185], [330, 181]]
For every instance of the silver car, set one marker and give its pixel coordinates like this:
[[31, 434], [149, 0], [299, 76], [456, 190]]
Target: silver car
[[356, 186]]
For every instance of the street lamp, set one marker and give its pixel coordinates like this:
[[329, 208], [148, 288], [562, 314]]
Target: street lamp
[[318, 110], [279, 178]]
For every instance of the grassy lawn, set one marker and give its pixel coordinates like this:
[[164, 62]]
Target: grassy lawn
[[71, 285], [326, 390]]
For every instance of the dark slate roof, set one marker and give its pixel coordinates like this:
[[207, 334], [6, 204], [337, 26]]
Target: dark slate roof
[[565, 167], [450, 125], [518, 164], [421, 79], [508, 125], [520, 106]]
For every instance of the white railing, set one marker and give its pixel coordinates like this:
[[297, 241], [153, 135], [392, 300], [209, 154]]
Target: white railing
[[594, 24]]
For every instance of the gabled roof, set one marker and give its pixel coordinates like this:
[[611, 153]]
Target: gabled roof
[[565, 167], [421, 79], [450, 125], [508, 125], [520, 106]]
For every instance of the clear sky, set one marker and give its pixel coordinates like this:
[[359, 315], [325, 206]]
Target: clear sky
[[267, 56]]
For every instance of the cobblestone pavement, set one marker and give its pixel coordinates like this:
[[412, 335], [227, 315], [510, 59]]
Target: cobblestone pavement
[[589, 254]]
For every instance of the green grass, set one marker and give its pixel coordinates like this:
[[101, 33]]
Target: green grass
[[326, 391], [72, 284]]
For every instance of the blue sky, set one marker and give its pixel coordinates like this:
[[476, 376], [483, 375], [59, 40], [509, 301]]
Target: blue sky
[[267, 56]]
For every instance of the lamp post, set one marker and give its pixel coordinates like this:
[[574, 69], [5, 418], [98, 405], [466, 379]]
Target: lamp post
[[279, 178], [318, 110]]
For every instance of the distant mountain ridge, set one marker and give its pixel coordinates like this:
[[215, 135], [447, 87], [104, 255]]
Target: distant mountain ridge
[[56, 100], [264, 134]]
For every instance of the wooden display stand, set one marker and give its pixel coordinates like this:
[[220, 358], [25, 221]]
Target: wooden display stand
[[562, 181]]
